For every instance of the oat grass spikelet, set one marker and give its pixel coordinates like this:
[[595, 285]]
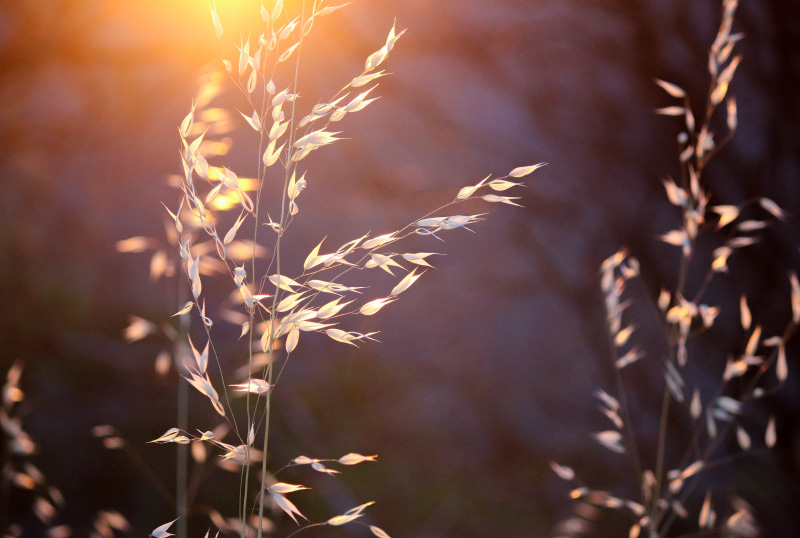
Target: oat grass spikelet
[[665, 485], [223, 227]]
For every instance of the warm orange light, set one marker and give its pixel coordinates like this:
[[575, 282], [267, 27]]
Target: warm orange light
[[224, 202]]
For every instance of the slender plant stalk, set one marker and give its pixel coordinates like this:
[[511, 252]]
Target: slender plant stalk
[[182, 463], [182, 471], [683, 272], [282, 225]]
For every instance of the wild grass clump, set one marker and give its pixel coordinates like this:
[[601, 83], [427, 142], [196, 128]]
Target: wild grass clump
[[29, 502], [234, 226], [673, 494]]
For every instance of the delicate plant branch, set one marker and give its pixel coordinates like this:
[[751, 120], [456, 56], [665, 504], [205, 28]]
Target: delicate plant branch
[[296, 304], [663, 492]]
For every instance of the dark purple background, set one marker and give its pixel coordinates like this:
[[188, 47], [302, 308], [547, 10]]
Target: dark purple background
[[487, 366]]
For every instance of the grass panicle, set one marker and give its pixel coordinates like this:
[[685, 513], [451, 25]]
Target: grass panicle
[[666, 484], [223, 227]]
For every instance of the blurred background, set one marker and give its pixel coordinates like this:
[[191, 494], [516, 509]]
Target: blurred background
[[486, 369]]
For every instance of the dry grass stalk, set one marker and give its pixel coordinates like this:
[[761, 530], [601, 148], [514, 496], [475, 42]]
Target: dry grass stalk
[[277, 307], [761, 364]]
